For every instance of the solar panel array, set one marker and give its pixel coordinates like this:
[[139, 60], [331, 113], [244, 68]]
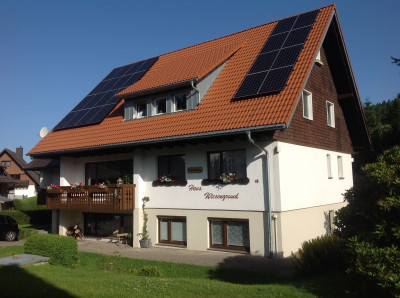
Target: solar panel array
[[100, 101], [273, 65]]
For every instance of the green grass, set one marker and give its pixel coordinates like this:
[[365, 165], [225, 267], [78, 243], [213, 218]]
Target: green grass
[[113, 276]]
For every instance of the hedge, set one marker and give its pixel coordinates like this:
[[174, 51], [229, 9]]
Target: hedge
[[29, 217], [60, 249]]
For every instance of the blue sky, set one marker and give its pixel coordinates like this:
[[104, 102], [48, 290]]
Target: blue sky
[[52, 53]]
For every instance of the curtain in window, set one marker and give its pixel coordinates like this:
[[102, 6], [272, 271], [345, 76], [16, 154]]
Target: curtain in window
[[214, 165], [238, 233], [217, 232], [164, 229], [235, 161], [178, 231]]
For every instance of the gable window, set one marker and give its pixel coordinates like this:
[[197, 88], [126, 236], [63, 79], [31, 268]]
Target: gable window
[[330, 113], [16, 176], [172, 230], [229, 234], [161, 105], [173, 166], [307, 105], [180, 102], [141, 109], [232, 161], [6, 163]]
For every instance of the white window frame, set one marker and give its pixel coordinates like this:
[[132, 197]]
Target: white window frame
[[330, 114], [307, 104], [340, 167], [175, 102]]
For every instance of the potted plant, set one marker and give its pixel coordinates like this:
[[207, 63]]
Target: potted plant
[[144, 241]]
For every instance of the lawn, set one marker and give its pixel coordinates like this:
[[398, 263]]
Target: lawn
[[113, 276]]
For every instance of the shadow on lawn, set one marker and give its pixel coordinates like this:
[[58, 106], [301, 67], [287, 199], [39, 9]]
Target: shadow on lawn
[[16, 282], [250, 270]]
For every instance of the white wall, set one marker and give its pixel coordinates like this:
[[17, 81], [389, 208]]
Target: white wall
[[303, 176], [249, 197], [29, 191]]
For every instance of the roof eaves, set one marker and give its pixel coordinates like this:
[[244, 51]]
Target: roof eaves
[[164, 139], [157, 89]]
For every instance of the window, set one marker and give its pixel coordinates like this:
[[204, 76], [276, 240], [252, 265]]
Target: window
[[141, 109], [233, 161], [307, 105], [329, 165], [16, 176], [6, 163], [229, 234], [180, 102], [340, 167], [172, 230], [161, 105], [172, 165], [330, 112], [108, 171]]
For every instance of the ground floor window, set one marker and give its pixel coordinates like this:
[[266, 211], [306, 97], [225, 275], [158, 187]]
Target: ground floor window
[[229, 234], [172, 230], [104, 224]]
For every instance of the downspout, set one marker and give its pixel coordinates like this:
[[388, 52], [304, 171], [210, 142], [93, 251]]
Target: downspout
[[266, 183], [197, 90]]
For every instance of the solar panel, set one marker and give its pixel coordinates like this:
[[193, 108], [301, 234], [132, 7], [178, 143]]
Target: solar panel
[[274, 64], [100, 101]]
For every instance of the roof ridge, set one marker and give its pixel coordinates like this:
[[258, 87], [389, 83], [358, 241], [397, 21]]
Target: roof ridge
[[244, 30]]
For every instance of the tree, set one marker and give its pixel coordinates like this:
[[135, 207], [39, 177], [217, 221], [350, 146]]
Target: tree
[[371, 223]]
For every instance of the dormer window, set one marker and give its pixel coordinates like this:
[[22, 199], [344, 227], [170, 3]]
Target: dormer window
[[180, 102], [141, 109], [160, 105]]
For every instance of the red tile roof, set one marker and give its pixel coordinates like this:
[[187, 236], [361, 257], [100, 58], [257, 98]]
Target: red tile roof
[[217, 112]]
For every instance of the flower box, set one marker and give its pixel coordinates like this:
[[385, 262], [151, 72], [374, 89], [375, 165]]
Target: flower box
[[240, 181], [170, 183]]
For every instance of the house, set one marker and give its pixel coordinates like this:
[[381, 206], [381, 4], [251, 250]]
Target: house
[[23, 182], [242, 143]]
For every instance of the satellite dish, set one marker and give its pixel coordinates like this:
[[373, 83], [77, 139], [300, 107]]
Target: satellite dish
[[43, 132]]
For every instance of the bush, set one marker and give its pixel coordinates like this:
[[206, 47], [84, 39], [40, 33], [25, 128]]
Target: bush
[[380, 266], [20, 217], [149, 271], [321, 254], [28, 204], [60, 249], [24, 233]]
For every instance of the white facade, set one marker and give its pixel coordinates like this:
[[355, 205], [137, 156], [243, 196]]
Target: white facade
[[302, 193]]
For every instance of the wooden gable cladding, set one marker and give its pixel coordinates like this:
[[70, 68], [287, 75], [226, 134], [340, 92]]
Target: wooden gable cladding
[[316, 133]]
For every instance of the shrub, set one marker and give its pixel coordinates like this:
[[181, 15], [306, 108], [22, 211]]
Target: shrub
[[24, 233], [321, 254], [380, 266], [28, 204], [149, 271], [60, 249], [20, 217]]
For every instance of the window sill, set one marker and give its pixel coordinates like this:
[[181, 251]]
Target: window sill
[[240, 181], [157, 183]]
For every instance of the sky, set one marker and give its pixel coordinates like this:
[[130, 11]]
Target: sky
[[53, 52]]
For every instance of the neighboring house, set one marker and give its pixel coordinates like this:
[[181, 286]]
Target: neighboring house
[[25, 182], [276, 104]]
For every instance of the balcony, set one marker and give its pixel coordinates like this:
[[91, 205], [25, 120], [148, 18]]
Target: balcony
[[88, 198]]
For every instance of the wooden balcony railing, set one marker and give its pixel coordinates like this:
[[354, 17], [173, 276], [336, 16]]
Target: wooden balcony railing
[[89, 198]]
